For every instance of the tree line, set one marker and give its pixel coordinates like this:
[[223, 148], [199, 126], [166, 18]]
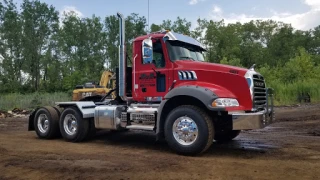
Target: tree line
[[42, 50]]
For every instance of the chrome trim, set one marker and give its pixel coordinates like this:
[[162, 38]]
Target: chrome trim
[[85, 107], [70, 124], [185, 130], [258, 93], [255, 120], [187, 75], [142, 110], [136, 86], [141, 127], [108, 117], [194, 75], [43, 123], [122, 60]]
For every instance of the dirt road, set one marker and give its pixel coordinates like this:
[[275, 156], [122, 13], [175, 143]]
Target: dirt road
[[288, 149]]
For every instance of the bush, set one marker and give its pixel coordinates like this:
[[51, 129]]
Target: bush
[[293, 93]]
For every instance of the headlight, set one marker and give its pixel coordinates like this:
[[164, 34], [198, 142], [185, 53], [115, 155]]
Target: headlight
[[225, 102]]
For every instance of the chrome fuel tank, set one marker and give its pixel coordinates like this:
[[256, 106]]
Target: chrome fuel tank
[[108, 117]]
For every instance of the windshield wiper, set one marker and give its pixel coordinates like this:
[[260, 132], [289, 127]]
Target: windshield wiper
[[186, 57]]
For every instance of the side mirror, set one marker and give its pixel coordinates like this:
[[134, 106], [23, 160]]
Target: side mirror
[[147, 51]]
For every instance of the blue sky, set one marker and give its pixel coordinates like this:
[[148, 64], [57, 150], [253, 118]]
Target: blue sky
[[302, 14]]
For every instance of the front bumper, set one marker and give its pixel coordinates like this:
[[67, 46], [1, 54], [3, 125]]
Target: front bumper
[[255, 120]]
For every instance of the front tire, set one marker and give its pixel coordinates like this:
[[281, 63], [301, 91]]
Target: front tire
[[72, 126], [46, 122], [189, 130]]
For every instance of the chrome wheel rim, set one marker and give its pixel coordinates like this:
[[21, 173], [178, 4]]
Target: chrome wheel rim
[[185, 130], [70, 124], [43, 123]]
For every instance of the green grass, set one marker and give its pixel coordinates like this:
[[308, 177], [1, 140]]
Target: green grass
[[288, 94], [32, 100]]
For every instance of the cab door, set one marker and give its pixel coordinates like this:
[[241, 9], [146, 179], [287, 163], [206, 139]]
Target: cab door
[[153, 71]]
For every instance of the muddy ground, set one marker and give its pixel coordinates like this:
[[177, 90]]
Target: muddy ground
[[288, 149]]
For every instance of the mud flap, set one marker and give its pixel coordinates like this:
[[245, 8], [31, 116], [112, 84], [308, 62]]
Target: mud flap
[[31, 120]]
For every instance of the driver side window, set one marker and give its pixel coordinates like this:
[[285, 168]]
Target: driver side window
[[157, 55]]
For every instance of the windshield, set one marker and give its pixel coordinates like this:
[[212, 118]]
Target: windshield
[[182, 51]]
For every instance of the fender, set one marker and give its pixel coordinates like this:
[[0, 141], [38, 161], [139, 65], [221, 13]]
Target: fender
[[205, 95], [204, 92], [87, 108]]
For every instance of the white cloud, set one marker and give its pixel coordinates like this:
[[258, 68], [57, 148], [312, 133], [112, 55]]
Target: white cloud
[[217, 9], [193, 2], [303, 21], [314, 4], [71, 9]]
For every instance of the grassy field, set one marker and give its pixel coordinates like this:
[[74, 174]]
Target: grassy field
[[30, 101], [294, 93]]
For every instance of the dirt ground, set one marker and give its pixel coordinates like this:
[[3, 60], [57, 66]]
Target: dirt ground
[[288, 149]]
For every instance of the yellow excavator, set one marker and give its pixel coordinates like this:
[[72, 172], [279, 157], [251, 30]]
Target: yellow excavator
[[91, 91]]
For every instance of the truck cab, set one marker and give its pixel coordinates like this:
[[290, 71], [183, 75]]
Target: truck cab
[[166, 60], [170, 90]]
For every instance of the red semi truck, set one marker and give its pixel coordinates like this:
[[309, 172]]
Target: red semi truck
[[169, 90]]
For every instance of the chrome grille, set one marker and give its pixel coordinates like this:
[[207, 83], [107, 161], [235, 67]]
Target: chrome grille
[[259, 92]]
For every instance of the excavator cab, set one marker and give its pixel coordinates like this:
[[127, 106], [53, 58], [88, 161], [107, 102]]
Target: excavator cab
[[91, 91]]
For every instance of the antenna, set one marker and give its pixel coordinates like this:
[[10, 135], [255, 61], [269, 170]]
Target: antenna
[[148, 18]]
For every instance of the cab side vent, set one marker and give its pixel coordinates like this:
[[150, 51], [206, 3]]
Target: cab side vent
[[187, 75]]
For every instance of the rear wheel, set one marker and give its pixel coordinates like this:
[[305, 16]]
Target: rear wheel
[[46, 123], [189, 130], [226, 136], [72, 126]]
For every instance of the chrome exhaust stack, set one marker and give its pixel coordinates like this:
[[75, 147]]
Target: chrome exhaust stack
[[122, 59]]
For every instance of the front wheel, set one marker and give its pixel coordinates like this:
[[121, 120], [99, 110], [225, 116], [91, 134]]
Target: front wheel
[[72, 126], [189, 130]]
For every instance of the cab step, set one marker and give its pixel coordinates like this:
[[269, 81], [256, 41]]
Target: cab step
[[141, 127]]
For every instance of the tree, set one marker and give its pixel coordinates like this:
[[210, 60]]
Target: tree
[[298, 68], [155, 28], [10, 47], [40, 22]]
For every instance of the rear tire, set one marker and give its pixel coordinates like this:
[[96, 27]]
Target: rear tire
[[72, 126], [189, 130], [46, 123], [226, 136]]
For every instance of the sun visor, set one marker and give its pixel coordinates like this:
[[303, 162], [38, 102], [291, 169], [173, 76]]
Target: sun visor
[[180, 37]]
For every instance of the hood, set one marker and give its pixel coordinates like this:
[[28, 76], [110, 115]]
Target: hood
[[206, 66], [224, 80]]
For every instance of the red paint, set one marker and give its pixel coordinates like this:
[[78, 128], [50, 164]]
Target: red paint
[[215, 77]]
